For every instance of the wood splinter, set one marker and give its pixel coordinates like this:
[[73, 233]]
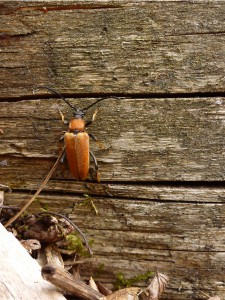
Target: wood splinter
[[65, 281]]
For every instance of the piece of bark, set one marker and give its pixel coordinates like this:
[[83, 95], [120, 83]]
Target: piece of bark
[[20, 276], [65, 281], [54, 256]]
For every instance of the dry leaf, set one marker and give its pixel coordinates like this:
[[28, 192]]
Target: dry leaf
[[31, 245], [156, 287], [214, 298], [124, 294]]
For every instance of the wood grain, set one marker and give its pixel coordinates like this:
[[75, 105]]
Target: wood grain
[[126, 47], [174, 225], [21, 278], [184, 239], [202, 193], [143, 139], [159, 67], [132, 219]]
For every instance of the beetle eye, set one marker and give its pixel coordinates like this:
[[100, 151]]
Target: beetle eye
[[80, 113]]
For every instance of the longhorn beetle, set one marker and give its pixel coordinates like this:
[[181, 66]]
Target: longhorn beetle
[[77, 141]]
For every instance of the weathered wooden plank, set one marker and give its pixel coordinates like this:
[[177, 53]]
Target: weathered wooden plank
[[178, 238], [187, 272], [208, 193], [141, 224], [20, 276], [184, 240], [121, 48], [146, 47], [144, 139]]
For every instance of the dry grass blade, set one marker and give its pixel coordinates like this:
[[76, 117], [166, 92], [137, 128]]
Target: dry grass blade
[[156, 288], [37, 192]]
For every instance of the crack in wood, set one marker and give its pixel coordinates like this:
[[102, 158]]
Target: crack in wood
[[46, 8], [8, 35], [197, 33], [115, 96]]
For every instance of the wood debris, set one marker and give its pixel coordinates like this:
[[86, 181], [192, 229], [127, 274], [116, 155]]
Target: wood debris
[[47, 233], [66, 282]]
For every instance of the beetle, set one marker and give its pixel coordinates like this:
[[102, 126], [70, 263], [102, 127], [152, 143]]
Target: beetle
[[77, 150]]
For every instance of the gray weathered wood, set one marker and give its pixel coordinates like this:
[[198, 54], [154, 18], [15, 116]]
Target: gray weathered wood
[[160, 67], [184, 239], [128, 47], [144, 139], [176, 225], [161, 192], [20, 276]]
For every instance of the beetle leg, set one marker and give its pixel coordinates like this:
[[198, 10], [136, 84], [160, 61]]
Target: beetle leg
[[62, 117], [61, 138], [96, 165], [87, 123], [94, 159], [93, 137], [100, 145], [63, 156]]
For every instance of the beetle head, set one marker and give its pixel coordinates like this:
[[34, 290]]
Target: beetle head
[[78, 114]]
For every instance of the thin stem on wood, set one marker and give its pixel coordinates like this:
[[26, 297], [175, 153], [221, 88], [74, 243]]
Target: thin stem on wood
[[13, 219]]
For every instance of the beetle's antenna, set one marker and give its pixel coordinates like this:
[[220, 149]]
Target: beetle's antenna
[[58, 94], [86, 108]]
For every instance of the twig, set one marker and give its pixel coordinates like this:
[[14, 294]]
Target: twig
[[65, 281], [37, 192]]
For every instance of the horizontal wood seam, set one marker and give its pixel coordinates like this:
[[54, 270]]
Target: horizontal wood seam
[[117, 95], [130, 198]]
